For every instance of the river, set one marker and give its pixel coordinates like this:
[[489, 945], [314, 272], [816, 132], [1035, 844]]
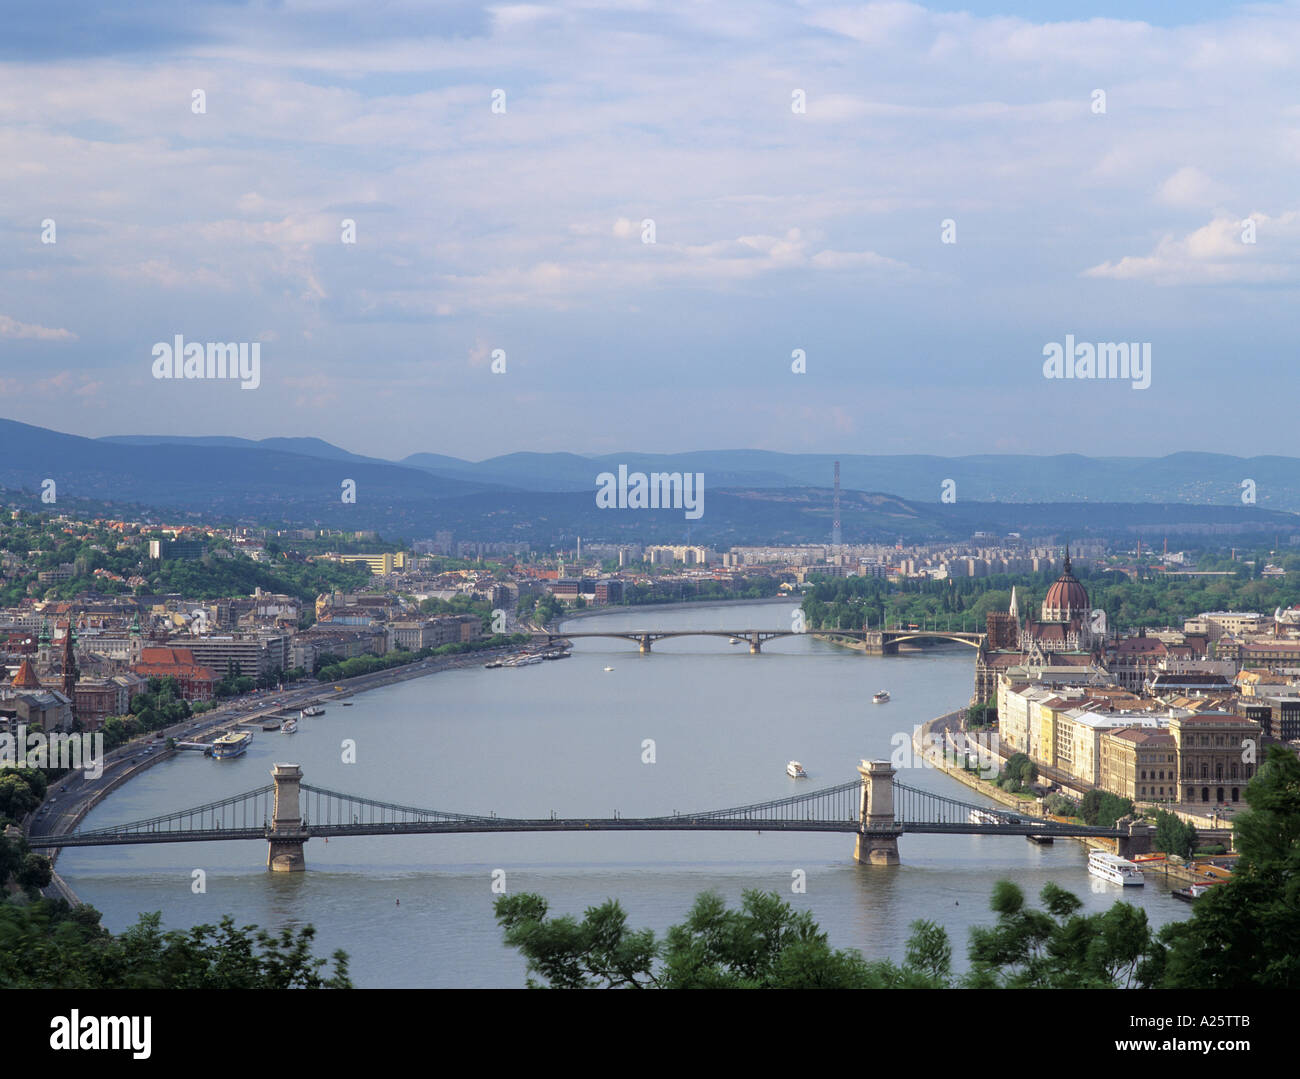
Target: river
[[570, 737]]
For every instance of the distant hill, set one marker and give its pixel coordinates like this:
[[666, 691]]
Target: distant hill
[[751, 496]]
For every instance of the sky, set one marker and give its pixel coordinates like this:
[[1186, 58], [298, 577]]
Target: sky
[[1098, 170]]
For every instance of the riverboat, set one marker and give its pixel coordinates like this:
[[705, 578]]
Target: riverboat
[[880, 698], [1113, 868], [795, 770], [234, 744], [313, 710]]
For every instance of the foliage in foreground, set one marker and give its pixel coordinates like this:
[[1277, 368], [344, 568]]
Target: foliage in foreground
[[46, 944], [1244, 934]]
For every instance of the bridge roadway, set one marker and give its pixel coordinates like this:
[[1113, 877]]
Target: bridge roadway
[[574, 824], [289, 812], [875, 641]]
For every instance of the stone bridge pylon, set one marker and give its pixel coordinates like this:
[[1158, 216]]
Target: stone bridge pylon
[[288, 833], [878, 831]]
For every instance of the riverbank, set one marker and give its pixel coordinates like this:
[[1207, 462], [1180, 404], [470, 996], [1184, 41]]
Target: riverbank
[[80, 794]]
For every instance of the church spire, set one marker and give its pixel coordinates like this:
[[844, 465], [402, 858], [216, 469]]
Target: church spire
[[1014, 609], [1067, 558], [69, 666]]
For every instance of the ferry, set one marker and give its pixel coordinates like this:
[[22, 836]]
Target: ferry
[[609, 668], [795, 770], [234, 744], [313, 710], [1113, 868], [289, 726], [880, 698]]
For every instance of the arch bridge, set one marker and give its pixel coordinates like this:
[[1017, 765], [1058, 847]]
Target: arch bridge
[[880, 642]]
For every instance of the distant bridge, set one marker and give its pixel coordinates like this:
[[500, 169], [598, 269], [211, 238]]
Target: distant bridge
[[287, 813], [883, 642]]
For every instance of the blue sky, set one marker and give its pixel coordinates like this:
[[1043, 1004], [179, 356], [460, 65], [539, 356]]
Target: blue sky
[[774, 230]]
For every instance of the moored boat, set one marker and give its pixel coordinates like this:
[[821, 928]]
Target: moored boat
[[1113, 868], [234, 744], [1192, 892], [313, 710]]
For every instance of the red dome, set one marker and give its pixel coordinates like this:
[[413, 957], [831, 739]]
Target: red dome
[[1067, 594]]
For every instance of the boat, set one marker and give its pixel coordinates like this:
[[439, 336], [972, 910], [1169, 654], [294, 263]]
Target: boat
[[289, 726], [795, 770], [313, 710], [234, 744], [985, 816], [1113, 868], [1192, 892], [347, 704], [493, 665], [880, 698], [1046, 840], [734, 640], [609, 668]]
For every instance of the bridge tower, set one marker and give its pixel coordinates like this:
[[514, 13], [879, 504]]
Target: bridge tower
[[287, 833], [878, 834]]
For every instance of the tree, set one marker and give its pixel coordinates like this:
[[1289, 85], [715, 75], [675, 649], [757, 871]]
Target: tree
[[1057, 948], [764, 944], [1245, 933]]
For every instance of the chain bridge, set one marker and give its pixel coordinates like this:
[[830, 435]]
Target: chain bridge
[[286, 813]]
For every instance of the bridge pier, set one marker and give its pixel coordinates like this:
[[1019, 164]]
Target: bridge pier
[[877, 840], [645, 644], [287, 833], [1138, 840], [755, 645]]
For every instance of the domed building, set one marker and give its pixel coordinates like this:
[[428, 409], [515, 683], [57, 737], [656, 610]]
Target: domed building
[[1063, 637], [1067, 599]]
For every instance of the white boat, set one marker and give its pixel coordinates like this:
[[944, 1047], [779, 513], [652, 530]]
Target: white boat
[[289, 726], [1113, 868], [795, 770], [880, 698], [609, 668], [985, 816], [313, 710], [734, 640]]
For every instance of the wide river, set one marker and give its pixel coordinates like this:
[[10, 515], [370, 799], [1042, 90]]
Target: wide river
[[568, 737]]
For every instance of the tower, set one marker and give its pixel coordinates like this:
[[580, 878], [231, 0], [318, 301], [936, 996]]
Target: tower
[[837, 533], [69, 668]]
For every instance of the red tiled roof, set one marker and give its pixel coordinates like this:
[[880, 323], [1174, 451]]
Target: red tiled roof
[[26, 677]]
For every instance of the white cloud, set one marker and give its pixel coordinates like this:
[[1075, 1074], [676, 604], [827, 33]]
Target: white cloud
[[24, 331]]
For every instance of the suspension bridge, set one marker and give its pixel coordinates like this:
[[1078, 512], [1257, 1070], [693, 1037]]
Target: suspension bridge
[[877, 808]]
